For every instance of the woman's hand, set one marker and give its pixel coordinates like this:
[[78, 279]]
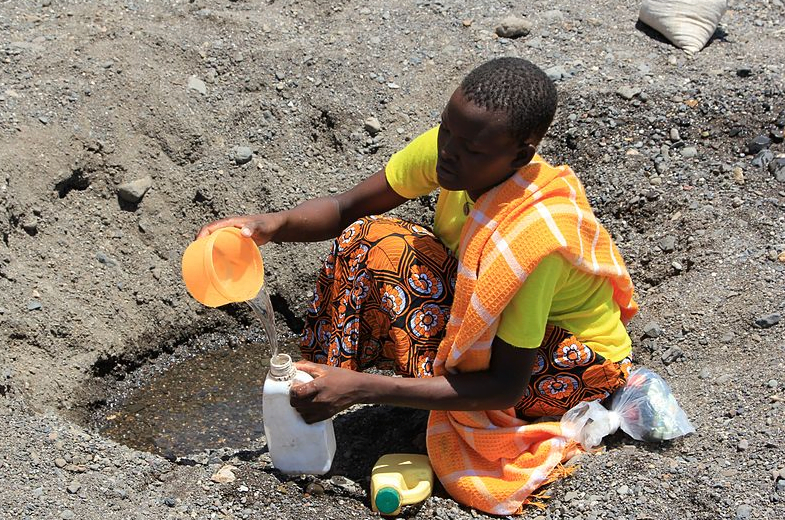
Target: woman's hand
[[331, 391], [262, 228]]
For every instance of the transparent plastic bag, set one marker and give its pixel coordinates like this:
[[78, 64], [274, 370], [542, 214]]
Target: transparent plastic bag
[[644, 408]]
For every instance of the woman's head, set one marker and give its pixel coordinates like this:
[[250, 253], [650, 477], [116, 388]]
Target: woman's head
[[493, 123]]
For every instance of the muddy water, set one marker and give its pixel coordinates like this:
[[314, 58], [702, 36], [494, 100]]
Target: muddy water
[[207, 396]]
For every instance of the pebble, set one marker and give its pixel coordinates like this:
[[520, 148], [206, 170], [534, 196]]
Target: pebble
[[705, 373], [104, 259], [671, 355], [557, 73], [743, 512], [628, 92], [74, 487], [67, 514], [762, 158], [624, 489], [513, 27], [34, 305], [674, 135], [196, 84], [315, 489], [738, 176], [242, 154], [224, 475], [689, 152], [772, 383], [668, 243], [652, 330], [372, 126], [777, 135], [757, 144], [743, 445], [134, 191], [60, 462], [777, 168], [769, 320], [744, 71]]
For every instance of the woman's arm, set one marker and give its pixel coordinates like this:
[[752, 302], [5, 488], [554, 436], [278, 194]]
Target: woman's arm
[[335, 389], [316, 219]]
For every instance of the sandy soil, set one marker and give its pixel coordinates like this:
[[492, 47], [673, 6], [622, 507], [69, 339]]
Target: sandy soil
[[101, 93]]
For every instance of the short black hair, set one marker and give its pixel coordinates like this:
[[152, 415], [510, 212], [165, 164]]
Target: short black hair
[[517, 87]]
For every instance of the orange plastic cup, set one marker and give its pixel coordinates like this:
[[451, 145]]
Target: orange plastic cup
[[223, 267]]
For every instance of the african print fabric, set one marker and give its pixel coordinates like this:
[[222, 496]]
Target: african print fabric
[[382, 299]]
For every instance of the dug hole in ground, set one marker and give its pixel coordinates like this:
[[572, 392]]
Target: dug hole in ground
[[124, 127]]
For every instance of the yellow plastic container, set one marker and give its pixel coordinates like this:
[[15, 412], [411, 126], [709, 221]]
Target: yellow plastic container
[[399, 479], [223, 267]]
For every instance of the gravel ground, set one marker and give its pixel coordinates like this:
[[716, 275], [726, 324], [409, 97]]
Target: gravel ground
[[124, 126]]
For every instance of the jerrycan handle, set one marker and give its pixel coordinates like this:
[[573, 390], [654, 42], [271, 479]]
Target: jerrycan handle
[[416, 494]]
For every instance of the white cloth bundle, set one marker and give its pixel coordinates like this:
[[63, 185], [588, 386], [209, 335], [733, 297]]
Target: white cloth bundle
[[688, 24]]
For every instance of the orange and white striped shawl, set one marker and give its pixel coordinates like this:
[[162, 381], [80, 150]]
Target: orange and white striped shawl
[[491, 460]]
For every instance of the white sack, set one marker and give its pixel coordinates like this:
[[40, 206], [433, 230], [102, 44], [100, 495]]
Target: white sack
[[688, 24]]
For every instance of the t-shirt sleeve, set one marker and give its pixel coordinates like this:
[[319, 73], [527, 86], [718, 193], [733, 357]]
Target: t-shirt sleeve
[[412, 171], [523, 321]]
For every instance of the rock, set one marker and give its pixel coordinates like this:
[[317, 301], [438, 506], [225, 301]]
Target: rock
[[34, 305], [67, 514], [196, 84], [134, 191], [674, 135], [757, 144], [30, 225], [689, 152], [772, 383], [315, 489], [104, 259], [705, 373], [737, 202], [743, 512], [74, 487], [777, 135], [242, 154], [769, 320], [570, 496], [671, 355], [628, 92], [744, 71], [743, 445], [777, 168], [557, 73], [552, 16], [763, 158], [224, 475], [60, 462], [738, 176], [668, 243], [513, 27], [652, 330], [624, 489], [372, 126]]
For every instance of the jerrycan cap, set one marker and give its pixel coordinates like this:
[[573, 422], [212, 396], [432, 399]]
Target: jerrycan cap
[[388, 500]]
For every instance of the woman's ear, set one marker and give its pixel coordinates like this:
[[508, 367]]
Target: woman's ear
[[525, 156]]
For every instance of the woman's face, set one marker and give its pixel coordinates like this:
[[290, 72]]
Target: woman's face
[[477, 150]]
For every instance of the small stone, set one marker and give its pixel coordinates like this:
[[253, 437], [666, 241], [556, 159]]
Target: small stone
[[315, 489], [652, 330], [688, 152], [60, 462], [628, 92], [772, 383], [74, 487], [674, 135], [67, 514], [744, 71], [224, 475], [34, 305], [170, 502], [757, 144], [777, 135], [467, 22], [671, 355], [780, 485], [242, 154], [30, 225], [743, 512], [705, 373], [196, 84], [769, 320], [104, 259], [762, 158], [134, 191], [556, 73], [668, 243], [743, 445], [737, 202], [624, 489], [738, 176], [513, 27], [571, 495], [372, 126]]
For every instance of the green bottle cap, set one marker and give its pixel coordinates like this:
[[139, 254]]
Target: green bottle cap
[[388, 500]]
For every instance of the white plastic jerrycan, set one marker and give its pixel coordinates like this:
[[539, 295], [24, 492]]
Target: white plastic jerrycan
[[400, 479], [296, 448]]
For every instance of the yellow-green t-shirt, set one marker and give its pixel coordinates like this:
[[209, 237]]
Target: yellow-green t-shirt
[[555, 292]]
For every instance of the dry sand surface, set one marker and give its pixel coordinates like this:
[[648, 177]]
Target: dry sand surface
[[214, 108]]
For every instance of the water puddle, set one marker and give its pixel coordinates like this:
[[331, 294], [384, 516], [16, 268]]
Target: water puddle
[[205, 395]]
